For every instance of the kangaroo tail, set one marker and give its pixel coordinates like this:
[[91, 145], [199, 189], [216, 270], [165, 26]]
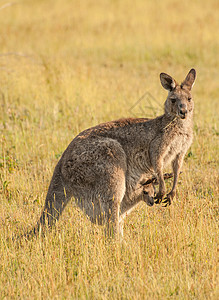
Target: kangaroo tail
[[58, 195]]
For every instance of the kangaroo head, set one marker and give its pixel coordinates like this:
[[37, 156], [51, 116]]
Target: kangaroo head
[[149, 194], [149, 190], [179, 101]]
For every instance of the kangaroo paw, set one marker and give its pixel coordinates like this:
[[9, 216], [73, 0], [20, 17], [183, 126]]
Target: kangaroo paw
[[166, 202], [158, 198], [158, 201]]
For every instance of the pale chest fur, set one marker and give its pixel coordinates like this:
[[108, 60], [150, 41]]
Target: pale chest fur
[[178, 145]]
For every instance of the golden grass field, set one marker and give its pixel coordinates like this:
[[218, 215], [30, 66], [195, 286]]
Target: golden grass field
[[69, 65]]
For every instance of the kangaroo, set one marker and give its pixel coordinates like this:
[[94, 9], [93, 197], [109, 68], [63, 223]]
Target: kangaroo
[[111, 167]]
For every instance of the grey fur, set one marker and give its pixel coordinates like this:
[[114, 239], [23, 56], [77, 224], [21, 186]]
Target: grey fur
[[105, 167]]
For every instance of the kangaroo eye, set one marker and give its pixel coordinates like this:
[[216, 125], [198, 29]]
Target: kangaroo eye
[[189, 99], [146, 193], [173, 100]]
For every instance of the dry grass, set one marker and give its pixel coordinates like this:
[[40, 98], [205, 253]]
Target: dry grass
[[68, 65]]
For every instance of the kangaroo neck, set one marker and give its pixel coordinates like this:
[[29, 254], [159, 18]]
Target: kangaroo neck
[[169, 121]]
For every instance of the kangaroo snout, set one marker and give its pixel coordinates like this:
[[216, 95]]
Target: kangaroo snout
[[150, 201], [182, 111], [148, 198]]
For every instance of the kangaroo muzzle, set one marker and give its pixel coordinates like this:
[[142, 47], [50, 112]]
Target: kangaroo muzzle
[[182, 111]]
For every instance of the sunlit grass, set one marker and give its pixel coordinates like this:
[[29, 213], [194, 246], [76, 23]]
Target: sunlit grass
[[66, 66]]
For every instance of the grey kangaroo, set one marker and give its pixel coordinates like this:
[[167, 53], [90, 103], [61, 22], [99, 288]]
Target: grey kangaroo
[[111, 167]]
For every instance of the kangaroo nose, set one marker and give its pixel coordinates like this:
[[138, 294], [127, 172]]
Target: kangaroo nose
[[183, 111]]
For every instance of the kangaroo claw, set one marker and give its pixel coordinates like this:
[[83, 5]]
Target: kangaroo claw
[[158, 198], [158, 201], [166, 202]]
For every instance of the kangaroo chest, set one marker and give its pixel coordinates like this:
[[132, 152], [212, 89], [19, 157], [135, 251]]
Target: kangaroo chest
[[178, 144]]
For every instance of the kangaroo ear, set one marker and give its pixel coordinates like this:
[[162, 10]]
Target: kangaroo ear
[[167, 81], [149, 181], [190, 79]]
